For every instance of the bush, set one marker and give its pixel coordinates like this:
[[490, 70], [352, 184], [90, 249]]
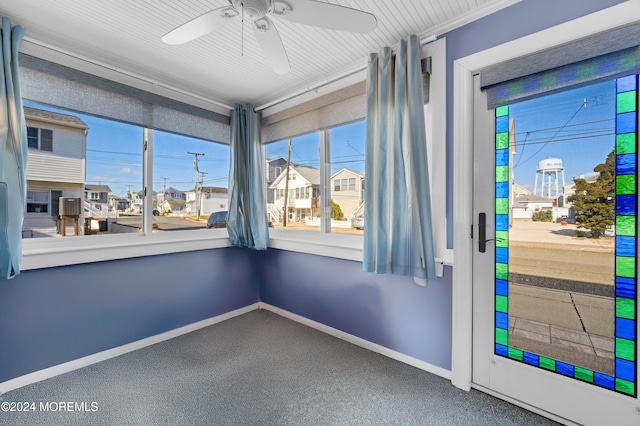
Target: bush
[[542, 216]]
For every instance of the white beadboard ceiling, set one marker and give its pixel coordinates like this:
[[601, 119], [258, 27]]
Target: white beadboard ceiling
[[126, 34]]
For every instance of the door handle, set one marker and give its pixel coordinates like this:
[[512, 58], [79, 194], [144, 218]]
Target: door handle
[[482, 233]]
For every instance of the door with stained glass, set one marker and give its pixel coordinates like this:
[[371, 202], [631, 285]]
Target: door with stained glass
[[555, 242]]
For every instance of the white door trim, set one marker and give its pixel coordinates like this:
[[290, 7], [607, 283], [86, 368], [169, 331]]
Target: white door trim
[[464, 68]]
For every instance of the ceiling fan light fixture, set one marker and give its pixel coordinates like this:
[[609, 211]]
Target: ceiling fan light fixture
[[252, 9]]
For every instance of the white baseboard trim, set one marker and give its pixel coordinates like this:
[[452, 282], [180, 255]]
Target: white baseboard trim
[[422, 365], [76, 364]]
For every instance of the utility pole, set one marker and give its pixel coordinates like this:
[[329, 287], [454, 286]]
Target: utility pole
[[195, 167], [202, 190], [286, 187], [164, 192]]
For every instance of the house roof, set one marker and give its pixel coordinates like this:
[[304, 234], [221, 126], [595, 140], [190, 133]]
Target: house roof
[[344, 169], [530, 198], [308, 173], [54, 117], [97, 188], [212, 190]]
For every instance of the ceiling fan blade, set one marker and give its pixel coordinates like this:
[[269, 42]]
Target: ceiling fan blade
[[325, 15], [271, 44], [203, 24]]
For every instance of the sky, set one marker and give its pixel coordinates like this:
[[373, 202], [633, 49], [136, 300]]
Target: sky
[[576, 126], [114, 155]]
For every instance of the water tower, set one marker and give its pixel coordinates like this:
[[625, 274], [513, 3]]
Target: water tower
[[551, 170]]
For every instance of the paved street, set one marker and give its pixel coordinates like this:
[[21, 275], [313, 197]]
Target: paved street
[[565, 315]]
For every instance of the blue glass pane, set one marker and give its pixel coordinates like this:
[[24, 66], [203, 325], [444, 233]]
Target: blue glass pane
[[567, 77], [626, 328], [532, 359], [502, 255], [626, 205], [626, 123], [607, 67], [502, 288], [502, 189], [626, 287], [625, 369], [625, 164], [603, 380], [502, 124], [502, 320], [532, 85], [626, 84], [564, 368], [502, 157], [626, 246], [502, 350], [502, 224]]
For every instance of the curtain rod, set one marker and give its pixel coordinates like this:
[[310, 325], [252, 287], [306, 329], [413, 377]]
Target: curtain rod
[[124, 72], [348, 73]]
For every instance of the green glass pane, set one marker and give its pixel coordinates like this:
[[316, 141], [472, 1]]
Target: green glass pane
[[502, 304], [626, 102], [502, 239], [625, 308], [503, 110], [502, 271], [547, 363], [626, 225], [625, 386], [502, 140], [625, 349], [549, 81], [502, 337], [625, 266], [626, 184], [502, 206], [516, 89], [626, 143], [583, 374], [515, 354], [585, 71], [502, 174]]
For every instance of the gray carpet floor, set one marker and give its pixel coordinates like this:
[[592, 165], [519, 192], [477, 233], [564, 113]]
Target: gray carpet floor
[[259, 369]]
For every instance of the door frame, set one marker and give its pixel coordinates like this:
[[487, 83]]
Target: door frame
[[463, 71]]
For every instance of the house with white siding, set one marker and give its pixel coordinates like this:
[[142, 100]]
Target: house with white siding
[[304, 192], [56, 168], [347, 190]]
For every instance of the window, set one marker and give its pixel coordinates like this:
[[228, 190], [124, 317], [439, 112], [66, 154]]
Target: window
[[41, 139], [37, 202], [301, 181], [190, 182]]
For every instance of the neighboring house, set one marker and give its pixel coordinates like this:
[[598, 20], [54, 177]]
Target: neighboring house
[[119, 204], [56, 168], [96, 199], [213, 199], [525, 206], [170, 199], [273, 169], [304, 192], [347, 190]]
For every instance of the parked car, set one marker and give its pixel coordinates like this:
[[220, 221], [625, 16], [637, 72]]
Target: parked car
[[156, 212], [217, 220], [358, 222]]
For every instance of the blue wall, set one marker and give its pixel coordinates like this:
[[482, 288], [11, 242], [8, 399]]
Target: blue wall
[[51, 316], [389, 310]]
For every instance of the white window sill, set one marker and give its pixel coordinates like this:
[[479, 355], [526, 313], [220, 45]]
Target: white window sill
[[61, 251], [50, 252]]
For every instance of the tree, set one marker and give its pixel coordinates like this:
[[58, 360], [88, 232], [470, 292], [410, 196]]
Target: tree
[[336, 211], [594, 202]]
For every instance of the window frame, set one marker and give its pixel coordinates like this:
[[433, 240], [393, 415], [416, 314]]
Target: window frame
[[41, 253], [39, 139]]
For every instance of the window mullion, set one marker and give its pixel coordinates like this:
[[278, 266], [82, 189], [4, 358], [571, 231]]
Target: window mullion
[[325, 182], [147, 180]]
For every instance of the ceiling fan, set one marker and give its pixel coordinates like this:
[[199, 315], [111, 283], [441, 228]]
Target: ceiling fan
[[308, 12]]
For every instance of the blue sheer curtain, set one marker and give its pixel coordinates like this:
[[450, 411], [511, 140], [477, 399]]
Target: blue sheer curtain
[[247, 222], [398, 235], [13, 153]]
